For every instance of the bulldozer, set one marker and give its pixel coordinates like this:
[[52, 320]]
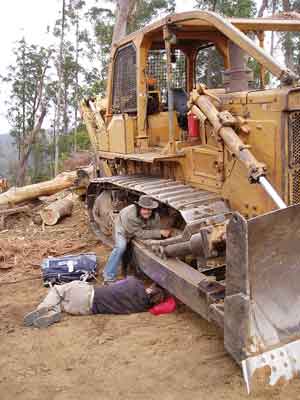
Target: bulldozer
[[224, 164]]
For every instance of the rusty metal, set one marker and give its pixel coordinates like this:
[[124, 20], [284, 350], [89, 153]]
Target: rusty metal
[[262, 291], [194, 208], [238, 75], [228, 135], [238, 130], [222, 124], [194, 247], [174, 275], [281, 364]]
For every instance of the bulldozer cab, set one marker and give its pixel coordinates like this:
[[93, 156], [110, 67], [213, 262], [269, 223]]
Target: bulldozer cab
[[176, 52], [210, 141]]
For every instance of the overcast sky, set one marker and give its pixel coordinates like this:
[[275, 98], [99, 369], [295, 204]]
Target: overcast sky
[[30, 18]]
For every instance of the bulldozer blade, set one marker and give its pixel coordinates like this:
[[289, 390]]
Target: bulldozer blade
[[262, 303], [280, 363]]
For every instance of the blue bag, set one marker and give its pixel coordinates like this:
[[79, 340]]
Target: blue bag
[[69, 268]]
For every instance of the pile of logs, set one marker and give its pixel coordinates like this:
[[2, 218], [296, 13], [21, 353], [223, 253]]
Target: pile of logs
[[53, 207]]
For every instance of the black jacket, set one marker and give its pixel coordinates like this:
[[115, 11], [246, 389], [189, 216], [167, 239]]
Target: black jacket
[[123, 297]]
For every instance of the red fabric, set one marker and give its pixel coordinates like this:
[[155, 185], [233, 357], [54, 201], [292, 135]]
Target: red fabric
[[165, 307]]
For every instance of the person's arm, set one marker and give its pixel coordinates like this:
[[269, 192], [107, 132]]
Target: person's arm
[[145, 234], [152, 231]]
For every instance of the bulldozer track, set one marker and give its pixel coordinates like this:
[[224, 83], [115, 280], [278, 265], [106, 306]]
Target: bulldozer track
[[193, 204], [197, 207]]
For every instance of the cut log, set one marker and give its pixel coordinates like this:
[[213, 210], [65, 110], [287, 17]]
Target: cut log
[[60, 182], [57, 210]]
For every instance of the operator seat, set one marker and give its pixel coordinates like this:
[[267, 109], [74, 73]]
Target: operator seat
[[180, 106]]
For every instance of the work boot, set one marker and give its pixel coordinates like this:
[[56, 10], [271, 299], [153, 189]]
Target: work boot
[[47, 319], [33, 315]]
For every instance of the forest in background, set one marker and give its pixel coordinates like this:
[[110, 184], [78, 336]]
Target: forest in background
[[46, 83]]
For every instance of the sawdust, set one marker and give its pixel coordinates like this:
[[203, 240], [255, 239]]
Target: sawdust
[[23, 248], [178, 356]]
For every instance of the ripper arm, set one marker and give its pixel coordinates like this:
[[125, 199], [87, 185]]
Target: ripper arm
[[222, 123]]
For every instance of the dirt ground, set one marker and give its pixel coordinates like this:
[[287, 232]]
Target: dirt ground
[[176, 356]]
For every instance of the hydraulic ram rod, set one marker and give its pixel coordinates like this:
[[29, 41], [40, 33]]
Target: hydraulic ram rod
[[235, 145], [271, 192]]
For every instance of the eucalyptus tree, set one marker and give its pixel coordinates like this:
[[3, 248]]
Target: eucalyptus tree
[[27, 102]]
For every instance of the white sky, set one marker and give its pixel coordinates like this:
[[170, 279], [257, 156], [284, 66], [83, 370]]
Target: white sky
[[30, 18], [20, 18]]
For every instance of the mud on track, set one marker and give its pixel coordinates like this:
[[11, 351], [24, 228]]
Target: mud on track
[[173, 357]]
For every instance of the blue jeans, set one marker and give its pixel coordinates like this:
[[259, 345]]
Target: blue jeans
[[111, 268]]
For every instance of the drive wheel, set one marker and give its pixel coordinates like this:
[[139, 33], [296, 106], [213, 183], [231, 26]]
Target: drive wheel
[[103, 212]]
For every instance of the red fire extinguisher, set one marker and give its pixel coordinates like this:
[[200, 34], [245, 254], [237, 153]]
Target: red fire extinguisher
[[193, 127]]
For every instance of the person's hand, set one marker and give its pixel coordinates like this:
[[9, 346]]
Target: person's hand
[[165, 233]]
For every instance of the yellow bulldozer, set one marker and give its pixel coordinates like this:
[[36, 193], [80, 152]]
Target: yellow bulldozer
[[224, 164]]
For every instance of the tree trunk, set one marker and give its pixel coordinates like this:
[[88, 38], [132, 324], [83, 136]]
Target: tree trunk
[[263, 7], [274, 6], [59, 94], [76, 83], [124, 9], [57, 210], [288, 41], [30, 192], [28, 147]]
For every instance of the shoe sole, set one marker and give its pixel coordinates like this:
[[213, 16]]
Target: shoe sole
[[33, 315], [45, 321], [108, 283]]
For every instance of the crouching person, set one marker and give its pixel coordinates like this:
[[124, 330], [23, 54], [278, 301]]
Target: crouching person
[[126, 296], [139, 221]]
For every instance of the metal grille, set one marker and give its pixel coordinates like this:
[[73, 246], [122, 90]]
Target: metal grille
[[294, 155], [294, 138], [157, 68], [124, 82], [295, 185]]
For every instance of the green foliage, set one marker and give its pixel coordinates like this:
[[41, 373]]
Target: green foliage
[[103, 21], [209, 67], [235, 8], [40, 168], [66, 142], [209, 64], [27, 79], [146, 10]]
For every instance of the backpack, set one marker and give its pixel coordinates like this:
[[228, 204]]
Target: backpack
[[57, 270]]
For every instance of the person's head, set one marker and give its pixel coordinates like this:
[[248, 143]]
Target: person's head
[[145, 213], [146, 206], [156, 294]]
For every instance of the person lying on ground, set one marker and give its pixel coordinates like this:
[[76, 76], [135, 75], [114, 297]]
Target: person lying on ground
[[126, 296], [139, 220]]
